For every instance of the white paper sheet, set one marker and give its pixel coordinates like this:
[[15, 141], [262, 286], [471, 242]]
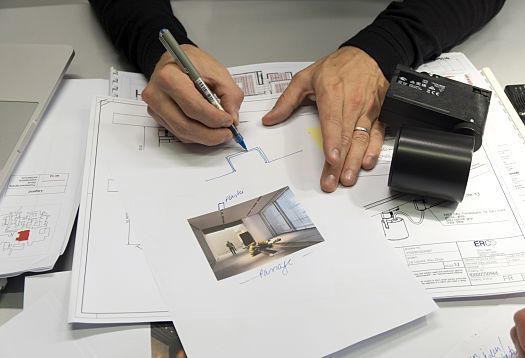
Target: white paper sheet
[[39, 205], [491, 338], [474, 248], [126, 84], [301, 301], [109, 341], [104, 229], [38, 331]]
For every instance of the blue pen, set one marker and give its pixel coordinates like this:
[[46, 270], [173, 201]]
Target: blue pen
[[178, 54]]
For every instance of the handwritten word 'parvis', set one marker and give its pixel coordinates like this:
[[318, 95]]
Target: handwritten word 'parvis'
[[280, 267], [230, 197]]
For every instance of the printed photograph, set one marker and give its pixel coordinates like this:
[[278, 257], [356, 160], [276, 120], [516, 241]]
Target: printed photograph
[[254, 233]]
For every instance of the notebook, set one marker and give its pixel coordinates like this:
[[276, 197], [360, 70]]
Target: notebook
[[29, 76], [126, 84]]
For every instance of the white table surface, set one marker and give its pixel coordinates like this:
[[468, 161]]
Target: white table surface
[[243, 32]]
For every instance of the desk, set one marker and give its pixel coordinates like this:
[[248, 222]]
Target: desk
[[242, 32]]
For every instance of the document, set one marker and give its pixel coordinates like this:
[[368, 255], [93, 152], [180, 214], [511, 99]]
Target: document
[[102, 341], [38, 331], [41, 329], [102, 291], [491, 338], [241, 241], [39, 205], [474, 248]]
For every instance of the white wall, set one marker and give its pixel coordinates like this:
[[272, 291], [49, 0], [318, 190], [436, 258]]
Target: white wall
[[257, 228], [217, 240]]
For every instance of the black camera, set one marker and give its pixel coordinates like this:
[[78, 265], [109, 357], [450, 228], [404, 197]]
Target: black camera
[[439, 124]]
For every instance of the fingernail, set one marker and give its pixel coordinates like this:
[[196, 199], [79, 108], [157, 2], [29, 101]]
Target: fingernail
[[331, 181], [370, 161], [335, 155], [348, 176]]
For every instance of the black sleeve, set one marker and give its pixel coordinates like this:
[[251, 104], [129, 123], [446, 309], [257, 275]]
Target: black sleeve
[[133, 27], [411, 32]]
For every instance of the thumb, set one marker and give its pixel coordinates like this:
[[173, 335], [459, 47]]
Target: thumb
[[290, 99], [231, 97]]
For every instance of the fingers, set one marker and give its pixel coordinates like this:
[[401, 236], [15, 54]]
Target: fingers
[[336, 137], [188, 130], [230, 94], [174, 101], [290, 99], [377, 137], [178, 86]]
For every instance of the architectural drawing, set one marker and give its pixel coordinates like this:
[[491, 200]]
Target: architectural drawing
[[258, 83], [256, 152], [20, 230]]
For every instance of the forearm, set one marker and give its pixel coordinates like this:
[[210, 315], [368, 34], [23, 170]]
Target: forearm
[[133, 27], [413, 31]]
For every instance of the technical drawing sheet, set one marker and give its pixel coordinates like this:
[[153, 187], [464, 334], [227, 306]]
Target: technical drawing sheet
[[474, 248], [232, 252], [39, 205], [277, 283], [103, 291]]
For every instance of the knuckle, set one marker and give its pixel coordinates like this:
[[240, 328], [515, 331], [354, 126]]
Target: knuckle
[[360, 137], [356, 100], [147, 95], [238, 94], [165, 76], [346, 139]]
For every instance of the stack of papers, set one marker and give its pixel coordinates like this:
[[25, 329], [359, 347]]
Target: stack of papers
[[300, 280], [223, 242], [41, 329], [40, 202]]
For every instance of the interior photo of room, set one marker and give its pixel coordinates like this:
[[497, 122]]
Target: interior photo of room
[[254, 233]]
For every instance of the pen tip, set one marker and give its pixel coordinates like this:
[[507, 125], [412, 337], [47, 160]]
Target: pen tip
[[243, 146]]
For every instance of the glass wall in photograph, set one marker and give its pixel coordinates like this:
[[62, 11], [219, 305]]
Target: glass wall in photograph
[[285, 214]]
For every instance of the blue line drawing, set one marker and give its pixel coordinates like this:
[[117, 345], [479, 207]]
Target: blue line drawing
[[230, 158]]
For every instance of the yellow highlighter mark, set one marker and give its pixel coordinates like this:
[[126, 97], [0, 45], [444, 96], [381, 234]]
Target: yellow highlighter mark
[[317, 136]]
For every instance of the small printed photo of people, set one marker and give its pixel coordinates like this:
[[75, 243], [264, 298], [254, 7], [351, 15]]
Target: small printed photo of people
[[254, 233]]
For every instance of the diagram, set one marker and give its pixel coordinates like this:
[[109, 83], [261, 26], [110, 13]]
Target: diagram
[[20, 230], [257, 152], [256, 83]]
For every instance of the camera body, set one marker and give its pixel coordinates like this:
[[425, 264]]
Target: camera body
[[439, 123]]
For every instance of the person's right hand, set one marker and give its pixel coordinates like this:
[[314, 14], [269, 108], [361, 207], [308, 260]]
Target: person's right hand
[[517, 333], [176, 104]]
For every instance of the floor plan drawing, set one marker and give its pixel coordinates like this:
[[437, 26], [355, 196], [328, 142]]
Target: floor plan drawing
[[257, 83], [22, 231]]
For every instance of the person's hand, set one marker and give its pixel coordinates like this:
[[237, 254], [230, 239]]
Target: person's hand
[[176, 104], [517, 333], [349, 89]]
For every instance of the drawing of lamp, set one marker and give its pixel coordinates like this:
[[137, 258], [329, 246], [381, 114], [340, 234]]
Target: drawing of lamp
[[394, 227]]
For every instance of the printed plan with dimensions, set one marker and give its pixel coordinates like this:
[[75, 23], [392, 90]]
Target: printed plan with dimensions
[[39, 205], [248, 235], [236, 241]]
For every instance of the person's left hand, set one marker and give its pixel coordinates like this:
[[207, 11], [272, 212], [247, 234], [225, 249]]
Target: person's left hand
[[349, 89]]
